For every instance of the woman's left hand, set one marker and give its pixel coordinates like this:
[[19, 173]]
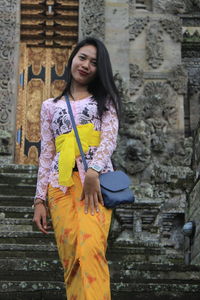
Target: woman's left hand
[[92, 192]]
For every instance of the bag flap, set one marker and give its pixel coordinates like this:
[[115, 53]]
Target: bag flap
[[114, 181]]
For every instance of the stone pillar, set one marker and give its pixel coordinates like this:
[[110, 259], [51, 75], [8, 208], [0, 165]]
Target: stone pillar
[[9, 58], [117, 37]]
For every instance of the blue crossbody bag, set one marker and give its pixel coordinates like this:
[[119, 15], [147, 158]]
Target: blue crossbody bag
[[115, 186]]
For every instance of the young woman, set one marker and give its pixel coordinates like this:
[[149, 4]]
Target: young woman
[[80, 220]]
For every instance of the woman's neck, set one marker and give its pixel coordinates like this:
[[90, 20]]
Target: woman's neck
[[79, 92]]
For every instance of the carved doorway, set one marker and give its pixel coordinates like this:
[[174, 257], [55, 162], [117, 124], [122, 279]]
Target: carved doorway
[[49, 30]]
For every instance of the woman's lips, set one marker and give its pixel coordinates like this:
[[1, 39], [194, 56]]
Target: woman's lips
[[82, 73]]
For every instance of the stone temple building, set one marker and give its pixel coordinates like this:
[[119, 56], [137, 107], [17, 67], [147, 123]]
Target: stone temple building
[[155, 52]]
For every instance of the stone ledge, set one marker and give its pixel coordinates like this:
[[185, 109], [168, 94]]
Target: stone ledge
[[14, 168]]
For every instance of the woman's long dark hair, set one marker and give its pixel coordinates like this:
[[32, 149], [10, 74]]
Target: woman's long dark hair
[[103, 86]]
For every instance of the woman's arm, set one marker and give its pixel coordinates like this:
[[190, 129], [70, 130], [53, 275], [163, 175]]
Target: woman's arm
[[45, 161], [47, 152]]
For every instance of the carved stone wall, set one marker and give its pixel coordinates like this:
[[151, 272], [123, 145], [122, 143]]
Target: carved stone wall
[[9, 42], [92, 18], [144, 39]]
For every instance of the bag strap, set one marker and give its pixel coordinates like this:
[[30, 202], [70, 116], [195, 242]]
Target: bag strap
[[76, 133]]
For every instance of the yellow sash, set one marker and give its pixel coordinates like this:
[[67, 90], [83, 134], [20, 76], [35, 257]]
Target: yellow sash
[[67, 146]]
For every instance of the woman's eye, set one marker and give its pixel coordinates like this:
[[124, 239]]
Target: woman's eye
[[82, 57], [94, 63]]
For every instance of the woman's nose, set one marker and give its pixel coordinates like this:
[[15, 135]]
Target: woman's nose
[[86, 64]]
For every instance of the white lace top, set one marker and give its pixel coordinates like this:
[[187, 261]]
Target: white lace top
[[55, 121]]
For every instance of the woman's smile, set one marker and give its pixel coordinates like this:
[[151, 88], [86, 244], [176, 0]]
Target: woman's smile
[[83, 73]]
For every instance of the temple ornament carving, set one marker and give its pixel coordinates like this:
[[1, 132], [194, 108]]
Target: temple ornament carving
[[173, 26], [136, 79], [136, 26], [178, 79], [93, 18], [154, 46], [8, 47]]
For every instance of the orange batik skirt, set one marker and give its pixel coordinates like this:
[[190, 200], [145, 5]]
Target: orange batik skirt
[[81, 240]]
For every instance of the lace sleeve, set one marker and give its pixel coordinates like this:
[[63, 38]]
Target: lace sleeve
[[47, 153], [109, 131]]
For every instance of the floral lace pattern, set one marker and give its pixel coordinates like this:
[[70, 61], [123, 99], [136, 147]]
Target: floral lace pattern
[[55, 121]]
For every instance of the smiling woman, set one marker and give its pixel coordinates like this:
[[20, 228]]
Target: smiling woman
[[80, 220], [84, 66]]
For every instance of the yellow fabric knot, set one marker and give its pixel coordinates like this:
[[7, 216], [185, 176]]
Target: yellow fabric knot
[[67, 146]]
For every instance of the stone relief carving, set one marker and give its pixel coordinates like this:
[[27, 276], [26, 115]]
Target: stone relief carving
[[176, 6], [93, 18], [136, 26], [148, 136], [122, 87], [169, 6], [136, 78], [191, 5], [5, 142], [154, 46], [173, 26], [7, 53], [179, 79]]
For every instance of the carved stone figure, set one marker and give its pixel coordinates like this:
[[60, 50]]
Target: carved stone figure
[[133, 152], [154, 46], [136, 79], [122, 88], [179, 79]]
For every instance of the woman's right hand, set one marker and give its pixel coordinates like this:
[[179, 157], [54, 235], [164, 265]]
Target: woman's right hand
[[40, 217]]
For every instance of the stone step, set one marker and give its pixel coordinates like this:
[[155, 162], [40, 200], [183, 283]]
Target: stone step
[[143, 252], [11, 200], [160, 273], [13, 168], [19, 225], [18, 178], [28, 250], [18, 290], [155, 291], [29, 237], [33, 290], [30, 265], [44, 294], [20, 189], [16, 212], [23, 269]]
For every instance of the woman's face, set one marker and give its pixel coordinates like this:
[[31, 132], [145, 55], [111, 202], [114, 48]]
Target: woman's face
[[83, 68]]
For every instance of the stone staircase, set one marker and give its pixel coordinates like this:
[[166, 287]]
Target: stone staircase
[[29, 265]]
